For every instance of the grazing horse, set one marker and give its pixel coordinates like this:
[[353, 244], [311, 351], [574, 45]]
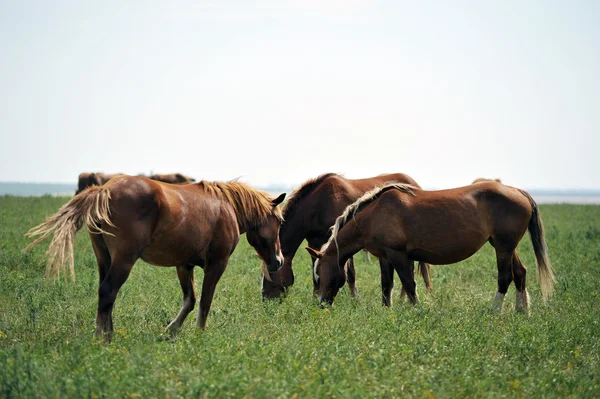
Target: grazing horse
[[402, 223], [174, 178], [309, 213], [483, 179], [86, 180], [165, 225]]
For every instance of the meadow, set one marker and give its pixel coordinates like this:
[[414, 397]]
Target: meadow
[[450, 345]]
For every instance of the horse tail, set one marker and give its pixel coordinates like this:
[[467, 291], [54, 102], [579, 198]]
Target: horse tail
[[91, 207], [536, 231], [424, 272]]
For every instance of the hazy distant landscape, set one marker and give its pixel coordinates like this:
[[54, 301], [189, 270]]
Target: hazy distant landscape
[[543, 196]]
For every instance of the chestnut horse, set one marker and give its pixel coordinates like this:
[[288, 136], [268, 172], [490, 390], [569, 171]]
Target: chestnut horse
[[483, 179], [133, 217], [308, 214], [86, 180], [173, 178], [403, 223]]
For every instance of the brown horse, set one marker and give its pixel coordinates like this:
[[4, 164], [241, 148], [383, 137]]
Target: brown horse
[[165, 225], [483, 179], [86, 180], [403, 223], [174, 178], [309, 213]]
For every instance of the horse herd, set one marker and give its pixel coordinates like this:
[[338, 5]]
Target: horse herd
[[199, 224]]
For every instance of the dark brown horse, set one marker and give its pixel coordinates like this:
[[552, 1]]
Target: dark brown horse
[[173, 178], [309, 213], [86, 180], [165, 225], [402, 223]]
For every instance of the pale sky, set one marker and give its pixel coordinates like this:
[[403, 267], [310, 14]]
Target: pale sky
[[280, 91]]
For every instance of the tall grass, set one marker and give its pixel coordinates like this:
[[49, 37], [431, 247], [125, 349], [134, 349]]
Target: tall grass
[[450, 345]]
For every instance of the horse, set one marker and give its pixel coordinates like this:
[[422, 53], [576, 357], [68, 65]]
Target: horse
[[173, 178], [86, 180], [308, 214], [483, 179], [184, 226], [403, 223]]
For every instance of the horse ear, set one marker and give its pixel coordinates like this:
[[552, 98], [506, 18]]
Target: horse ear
[[314, 253], [278, 200]]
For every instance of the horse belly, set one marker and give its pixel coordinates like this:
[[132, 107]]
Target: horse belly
[[176, 248], [444, 253]]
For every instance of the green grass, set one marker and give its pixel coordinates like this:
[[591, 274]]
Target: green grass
[[450, 345]]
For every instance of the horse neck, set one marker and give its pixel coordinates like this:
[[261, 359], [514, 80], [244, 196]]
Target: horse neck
[[349, 241], [292, 233], [247, 217]]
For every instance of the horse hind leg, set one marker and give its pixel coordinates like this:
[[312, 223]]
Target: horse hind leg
[[102, 255], [387, 282], [505, 276], [403, 290], [186, 280], [351, 277], [108, 290], [405, 270], [520, 275]]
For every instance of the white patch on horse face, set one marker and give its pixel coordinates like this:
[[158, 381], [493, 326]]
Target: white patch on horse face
[[315, 275]]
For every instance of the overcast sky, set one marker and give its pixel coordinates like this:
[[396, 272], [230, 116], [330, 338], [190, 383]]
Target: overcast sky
[[280, 91]]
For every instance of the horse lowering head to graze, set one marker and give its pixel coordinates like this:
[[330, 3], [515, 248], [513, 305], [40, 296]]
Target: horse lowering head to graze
[[404, 224], [483, 179], [93, 179], [173, 178], [184, 226], [309, 213]]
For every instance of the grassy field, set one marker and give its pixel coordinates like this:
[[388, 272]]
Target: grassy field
[[450, 345]]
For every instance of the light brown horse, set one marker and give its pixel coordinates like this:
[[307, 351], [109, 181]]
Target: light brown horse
[[309, 213], [483, 179], [173, 178], [403, 223], [86, 180], [184, 226]]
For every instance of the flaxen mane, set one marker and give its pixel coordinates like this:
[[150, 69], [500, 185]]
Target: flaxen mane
[[359, 204], [302, 192], [252, 207]]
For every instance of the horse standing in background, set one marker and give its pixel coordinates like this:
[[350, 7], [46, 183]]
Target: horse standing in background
[[310, 212], [483, 179], [165, 225], [86, 180], [402, 223], [174, 178]]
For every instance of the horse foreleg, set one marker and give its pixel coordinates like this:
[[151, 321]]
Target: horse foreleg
[[186, 280], [212, 275], [387, 281], [107, 293], [520, 274], [351, 277]]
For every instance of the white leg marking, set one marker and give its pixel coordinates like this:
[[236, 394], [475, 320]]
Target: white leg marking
[[498, 301]]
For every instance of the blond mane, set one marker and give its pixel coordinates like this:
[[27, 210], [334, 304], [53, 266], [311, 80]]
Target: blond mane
[[252, 207], [352, 209]]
